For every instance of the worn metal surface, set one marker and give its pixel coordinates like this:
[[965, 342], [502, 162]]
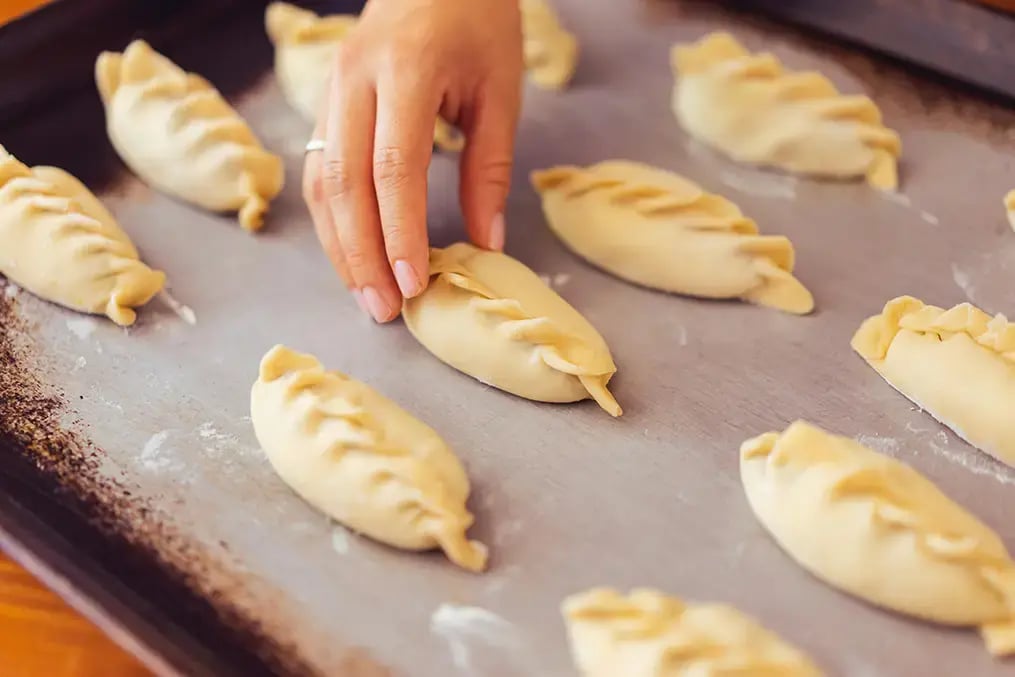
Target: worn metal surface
[[566, 497]]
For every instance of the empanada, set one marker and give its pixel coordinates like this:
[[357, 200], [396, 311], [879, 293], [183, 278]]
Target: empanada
[[178, 134], [361, 459], [1009, 206], [488, 315], [657, 229], [753, 110], [60, 243], [958, 365], [305, 45], [878, 529], [648, 634], [551, 53]]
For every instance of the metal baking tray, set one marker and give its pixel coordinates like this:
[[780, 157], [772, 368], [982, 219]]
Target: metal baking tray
[[131, 480]]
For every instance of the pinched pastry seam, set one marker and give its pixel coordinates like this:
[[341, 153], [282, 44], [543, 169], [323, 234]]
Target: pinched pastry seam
[[291, 25], [551, 53], [875, 336], [434, 513], [195, 99], [722, 52], [647, 614], [18, 184], [697, 210], [890, 512], [552, 343]]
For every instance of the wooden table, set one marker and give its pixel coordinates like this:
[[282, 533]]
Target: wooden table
[[40, 636]]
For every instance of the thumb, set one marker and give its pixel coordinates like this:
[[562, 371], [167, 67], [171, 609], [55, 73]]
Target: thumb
[[486, 170]]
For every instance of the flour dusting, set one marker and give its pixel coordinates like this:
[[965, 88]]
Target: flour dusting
[[964, 282], [930, 218], [340, 540], [480, 641], [11, 290], [547, 280], [82, 327], [682, 337], [897, 198], [80, 364], [152, 457], [886, 445], [761, 185], [560, 279], [183, 312]]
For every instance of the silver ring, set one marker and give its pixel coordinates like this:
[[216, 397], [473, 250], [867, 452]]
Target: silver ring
[[314, 144]]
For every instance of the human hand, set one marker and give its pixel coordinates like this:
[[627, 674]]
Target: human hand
[[406, 62]]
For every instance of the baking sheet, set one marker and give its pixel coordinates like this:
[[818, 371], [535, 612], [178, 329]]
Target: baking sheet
[[566, 497]]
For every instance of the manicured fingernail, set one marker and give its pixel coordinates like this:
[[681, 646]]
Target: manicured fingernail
[[376, 305], [408, 280], [356, 294], [495, 238]]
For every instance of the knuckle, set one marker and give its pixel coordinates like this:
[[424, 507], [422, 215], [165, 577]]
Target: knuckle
[[338, 177], [496, 171], [356, 257], [392, 168]]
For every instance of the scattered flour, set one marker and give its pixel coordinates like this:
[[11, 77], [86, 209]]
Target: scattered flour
[[183, 312], [560, 279], [682, 337], [480, 641], [761, 185], [152, 457], [546, 279], [505, 531], [11, 290], [80, 364], [886, 445], [340, 540], [897, 198], [964, 282], [82, 327], [930, 218]]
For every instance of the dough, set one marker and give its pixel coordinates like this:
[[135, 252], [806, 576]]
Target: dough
[[958, 365], [486, 314], [59, 242], [178, 134], [648, 634], [551, 53], [754, 111], [657, 229], [305, 45], [361, 459], [1009, 205], [878, 529]]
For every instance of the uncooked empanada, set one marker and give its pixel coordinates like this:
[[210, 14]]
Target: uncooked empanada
[[876, 528], [60, 243], [305, 45], [958, 365], [178, 134], [1009, 206], [551, 53], [361, 459], [657, 229], [488, 315], [753, 110], [648, 634]]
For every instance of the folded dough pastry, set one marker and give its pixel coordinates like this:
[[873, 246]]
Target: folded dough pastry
[[551, 53], [59, 242], [305, 45], [876, 528], [178, 134], [648, 634], [361, 459], [658, 229], [1009, 205], [488, 315], [958, 365], [753, 110]]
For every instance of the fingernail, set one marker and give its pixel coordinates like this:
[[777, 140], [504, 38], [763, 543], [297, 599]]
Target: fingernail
[[495, 238], [356, 294], [376, 305], [407, 278]]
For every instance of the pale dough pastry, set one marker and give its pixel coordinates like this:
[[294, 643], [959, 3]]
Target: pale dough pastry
[[551, 53], [305, 45], [957, 364], [657, 229], [649, 634], [361, 459], [488, 315], [60, 243], [1009, 206], [178, 134], [876, 528], [753, 110]]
